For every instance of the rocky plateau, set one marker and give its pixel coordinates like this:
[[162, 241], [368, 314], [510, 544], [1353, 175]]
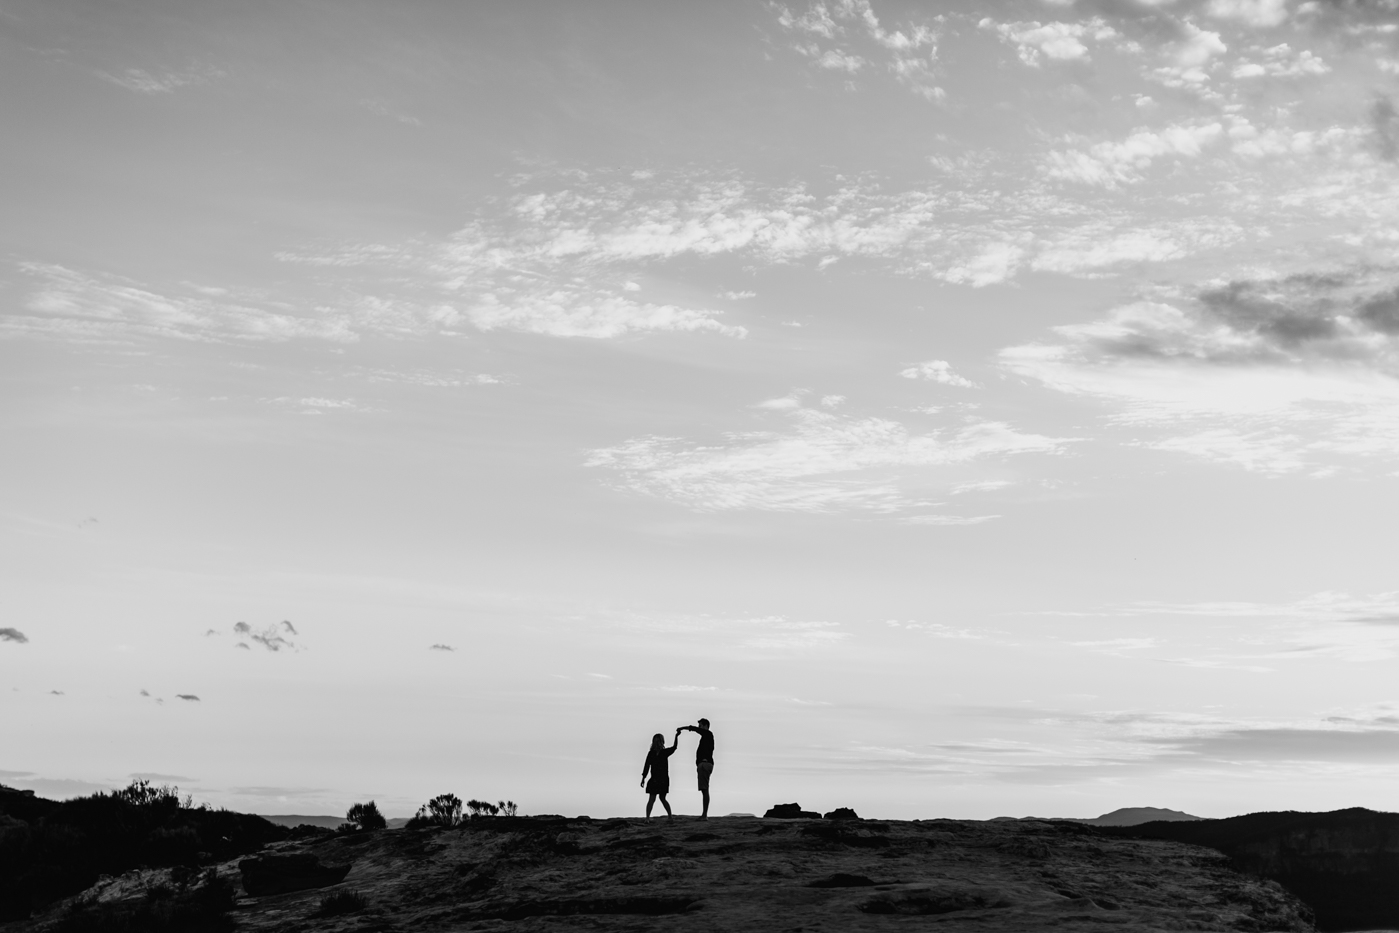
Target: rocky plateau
[[729, 874]]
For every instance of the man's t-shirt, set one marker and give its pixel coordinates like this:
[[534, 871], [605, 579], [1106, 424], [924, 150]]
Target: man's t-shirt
[[705, 752]]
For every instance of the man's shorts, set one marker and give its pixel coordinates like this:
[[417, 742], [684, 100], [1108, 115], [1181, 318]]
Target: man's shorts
[[705, 769]]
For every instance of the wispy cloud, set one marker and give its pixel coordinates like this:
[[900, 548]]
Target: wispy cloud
[[13, 634], [82, 307], [143, 81], [847, 36], [821, 462]]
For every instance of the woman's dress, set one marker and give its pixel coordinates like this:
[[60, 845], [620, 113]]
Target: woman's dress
[[658, 759]]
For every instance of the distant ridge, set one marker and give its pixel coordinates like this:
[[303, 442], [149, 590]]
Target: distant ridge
[[1126, 816], [294, 820]]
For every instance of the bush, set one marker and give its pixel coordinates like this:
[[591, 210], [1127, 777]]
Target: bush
[[442, 810], [445, 809], [508, 808], [341, 902], [365, 817], [482, 808]]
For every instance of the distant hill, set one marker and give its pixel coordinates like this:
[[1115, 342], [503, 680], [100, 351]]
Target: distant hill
[[1134, 816], [294, 820], [1126, 816]]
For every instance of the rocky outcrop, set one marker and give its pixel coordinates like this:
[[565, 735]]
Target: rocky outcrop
[[1343, 864], [790, 811], [842, 813]]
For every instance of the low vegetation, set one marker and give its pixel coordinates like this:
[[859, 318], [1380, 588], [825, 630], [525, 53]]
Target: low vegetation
[[483, 808], [340, 903], [53, 849]]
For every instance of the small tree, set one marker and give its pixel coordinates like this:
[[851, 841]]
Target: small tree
[[365, 817], [508, 807], [444, 809]]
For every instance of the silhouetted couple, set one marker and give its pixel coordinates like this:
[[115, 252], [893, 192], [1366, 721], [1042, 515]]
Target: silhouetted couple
[[658, 765]]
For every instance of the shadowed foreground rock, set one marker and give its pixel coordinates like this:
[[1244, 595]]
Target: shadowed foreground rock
[[541, 873], [1344, 864], [282, 874]]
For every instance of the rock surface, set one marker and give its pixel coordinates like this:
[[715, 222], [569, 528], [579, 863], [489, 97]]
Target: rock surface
[[738, 874]]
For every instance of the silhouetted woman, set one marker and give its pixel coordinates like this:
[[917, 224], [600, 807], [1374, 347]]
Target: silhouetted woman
[[658, 763]]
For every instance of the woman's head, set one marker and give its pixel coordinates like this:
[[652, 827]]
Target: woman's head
[[657, 740]]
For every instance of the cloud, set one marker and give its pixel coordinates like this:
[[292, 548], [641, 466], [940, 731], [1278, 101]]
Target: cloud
[[148, 82], [1113, 163], [821, 462], [1276, 375], [1384, 121], [13, 634], [570, 313], [187, 696], [827, 30], [277, 792], [1281, 62], [162, 778], [1290, 744], [948, 519], [1256, 13], [62, 788], [273, 638], [1035, 42], [441, 647], [939, 371]]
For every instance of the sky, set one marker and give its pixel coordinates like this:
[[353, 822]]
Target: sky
[[973, 409]]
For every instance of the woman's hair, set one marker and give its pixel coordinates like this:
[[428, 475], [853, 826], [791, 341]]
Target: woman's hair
[[657, 741]]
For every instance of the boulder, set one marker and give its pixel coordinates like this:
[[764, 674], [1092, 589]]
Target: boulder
[[278, 874], [842, 813], [790, 811]]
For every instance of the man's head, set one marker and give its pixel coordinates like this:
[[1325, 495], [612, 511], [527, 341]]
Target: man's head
[[704, 724]]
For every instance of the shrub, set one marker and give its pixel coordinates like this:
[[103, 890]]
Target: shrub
[[341, 902], [508, 807], [365, 817], [445, 809], [142, 794], [482, 808]]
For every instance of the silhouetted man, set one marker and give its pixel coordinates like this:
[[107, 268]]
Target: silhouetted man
[[704, 760]]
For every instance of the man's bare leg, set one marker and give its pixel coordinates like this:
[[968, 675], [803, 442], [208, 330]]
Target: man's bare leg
[[704, 815]]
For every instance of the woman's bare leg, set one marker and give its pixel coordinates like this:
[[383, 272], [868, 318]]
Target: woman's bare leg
[[651, 802], [666, 803]]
